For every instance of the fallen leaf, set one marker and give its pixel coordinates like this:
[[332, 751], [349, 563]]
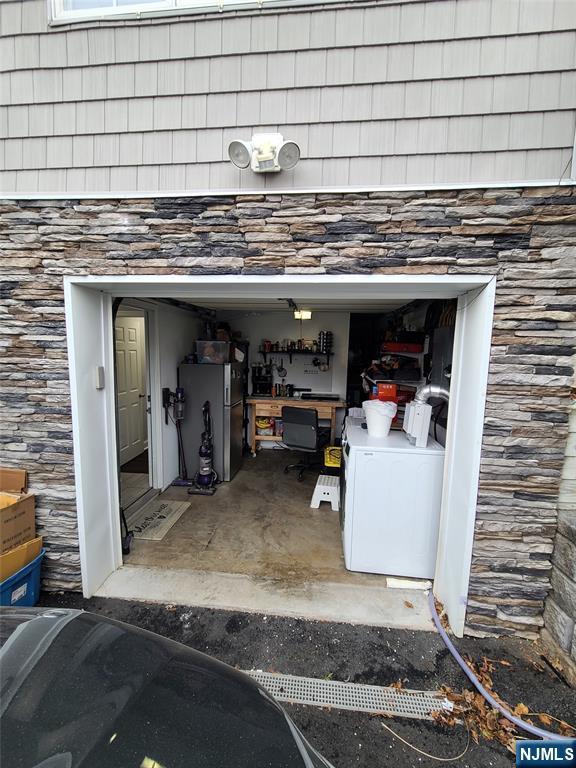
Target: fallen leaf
[[442, 615], [566, 729], [544, 718], [408, 604], [539, 666], [481, 719]]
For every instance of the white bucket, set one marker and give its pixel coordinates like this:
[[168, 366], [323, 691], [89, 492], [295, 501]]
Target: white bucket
[[379, 417]]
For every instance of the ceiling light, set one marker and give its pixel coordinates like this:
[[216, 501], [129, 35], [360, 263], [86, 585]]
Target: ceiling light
[[302, 314], [265, 153]]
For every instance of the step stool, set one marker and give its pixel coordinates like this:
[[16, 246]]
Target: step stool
[[327, 489]]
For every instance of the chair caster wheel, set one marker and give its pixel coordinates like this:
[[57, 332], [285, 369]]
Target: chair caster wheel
[[300, 478], [285, 470]]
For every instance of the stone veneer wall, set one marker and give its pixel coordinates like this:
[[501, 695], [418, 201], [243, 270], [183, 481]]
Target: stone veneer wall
[[527, 237], [559, 635]]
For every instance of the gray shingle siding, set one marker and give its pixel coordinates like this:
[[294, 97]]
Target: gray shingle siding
[[406, 92]]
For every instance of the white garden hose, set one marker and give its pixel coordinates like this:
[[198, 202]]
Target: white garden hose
[[528, 727]]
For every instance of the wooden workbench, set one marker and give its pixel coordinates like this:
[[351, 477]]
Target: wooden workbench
[[271, 407]]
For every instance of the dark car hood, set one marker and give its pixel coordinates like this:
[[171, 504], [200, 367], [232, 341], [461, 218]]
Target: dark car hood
[[81, 690]]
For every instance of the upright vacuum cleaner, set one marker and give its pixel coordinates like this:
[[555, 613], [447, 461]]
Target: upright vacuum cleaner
[[176, 401], [205, 480]]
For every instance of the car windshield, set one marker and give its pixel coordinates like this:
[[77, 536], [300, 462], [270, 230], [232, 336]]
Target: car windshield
[[94, 693]]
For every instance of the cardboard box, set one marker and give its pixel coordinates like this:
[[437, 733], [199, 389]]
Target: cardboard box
[[17, 518], [15, 559]]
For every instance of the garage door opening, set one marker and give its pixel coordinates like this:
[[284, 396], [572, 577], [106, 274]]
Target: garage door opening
[[405, 514]]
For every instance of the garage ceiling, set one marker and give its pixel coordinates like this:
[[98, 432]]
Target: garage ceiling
[[280, 305]]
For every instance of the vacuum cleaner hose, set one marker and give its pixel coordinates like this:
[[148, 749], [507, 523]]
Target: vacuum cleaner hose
[[528, 727]]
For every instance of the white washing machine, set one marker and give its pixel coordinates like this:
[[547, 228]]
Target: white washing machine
[[390, 501]]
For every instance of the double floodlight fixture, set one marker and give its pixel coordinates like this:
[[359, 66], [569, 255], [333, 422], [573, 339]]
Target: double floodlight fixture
[[265, 153]]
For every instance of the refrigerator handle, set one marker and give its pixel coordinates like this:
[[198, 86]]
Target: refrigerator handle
[[226, 395]]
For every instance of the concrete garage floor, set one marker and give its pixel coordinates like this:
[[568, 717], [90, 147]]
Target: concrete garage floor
[[257, 545], [359, 654], [259, 524]]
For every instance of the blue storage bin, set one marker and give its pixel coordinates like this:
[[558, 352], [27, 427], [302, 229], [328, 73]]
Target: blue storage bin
[[23, 587]]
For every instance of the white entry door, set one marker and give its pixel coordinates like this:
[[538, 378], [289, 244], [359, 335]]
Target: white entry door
[[131, 386]]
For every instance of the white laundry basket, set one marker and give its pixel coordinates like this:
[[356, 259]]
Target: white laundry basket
[[379, 417]]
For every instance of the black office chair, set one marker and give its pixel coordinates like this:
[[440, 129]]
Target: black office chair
[[301, 433]]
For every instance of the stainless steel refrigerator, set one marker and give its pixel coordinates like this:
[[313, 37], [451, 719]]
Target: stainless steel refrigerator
[[222, 386]]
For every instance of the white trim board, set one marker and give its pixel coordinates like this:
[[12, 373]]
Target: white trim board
[[201, 8], [237, 192], [281, 286], [95, 461], [98, 524], [573, 163]]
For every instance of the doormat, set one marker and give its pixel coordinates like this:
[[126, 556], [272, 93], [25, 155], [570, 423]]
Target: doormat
[[153, 521]]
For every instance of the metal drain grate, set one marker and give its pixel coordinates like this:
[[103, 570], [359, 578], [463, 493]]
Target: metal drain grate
[[353, 696]]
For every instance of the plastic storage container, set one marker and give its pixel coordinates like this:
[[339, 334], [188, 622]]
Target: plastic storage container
[[23, 587], [379, 416], [212, 352]]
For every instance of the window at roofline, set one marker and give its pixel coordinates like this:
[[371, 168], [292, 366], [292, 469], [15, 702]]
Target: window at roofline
[[69, 11]]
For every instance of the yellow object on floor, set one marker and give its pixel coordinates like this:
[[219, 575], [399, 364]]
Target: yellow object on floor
[[15, 559], [332, 456]]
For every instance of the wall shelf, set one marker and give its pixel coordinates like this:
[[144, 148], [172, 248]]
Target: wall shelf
[[291, 352]]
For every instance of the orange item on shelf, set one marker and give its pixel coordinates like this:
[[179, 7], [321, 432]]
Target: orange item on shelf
[[387, 392], [402, 346]]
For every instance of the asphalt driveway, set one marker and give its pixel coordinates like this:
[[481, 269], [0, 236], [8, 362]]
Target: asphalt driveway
[[358, 654]]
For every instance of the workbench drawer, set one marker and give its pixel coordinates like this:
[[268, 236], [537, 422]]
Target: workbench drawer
[[269, 409]]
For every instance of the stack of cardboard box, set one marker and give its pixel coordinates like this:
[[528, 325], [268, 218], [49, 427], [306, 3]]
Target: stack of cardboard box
[[19, 544]]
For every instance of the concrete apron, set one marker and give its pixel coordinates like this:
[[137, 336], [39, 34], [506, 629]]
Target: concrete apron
[[369, 604]]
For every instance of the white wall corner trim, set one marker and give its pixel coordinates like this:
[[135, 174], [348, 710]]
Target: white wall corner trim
[[147, 194], [573, 165], [472, 343]]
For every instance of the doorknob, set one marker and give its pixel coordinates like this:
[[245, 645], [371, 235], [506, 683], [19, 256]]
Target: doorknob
[[141, 395]]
